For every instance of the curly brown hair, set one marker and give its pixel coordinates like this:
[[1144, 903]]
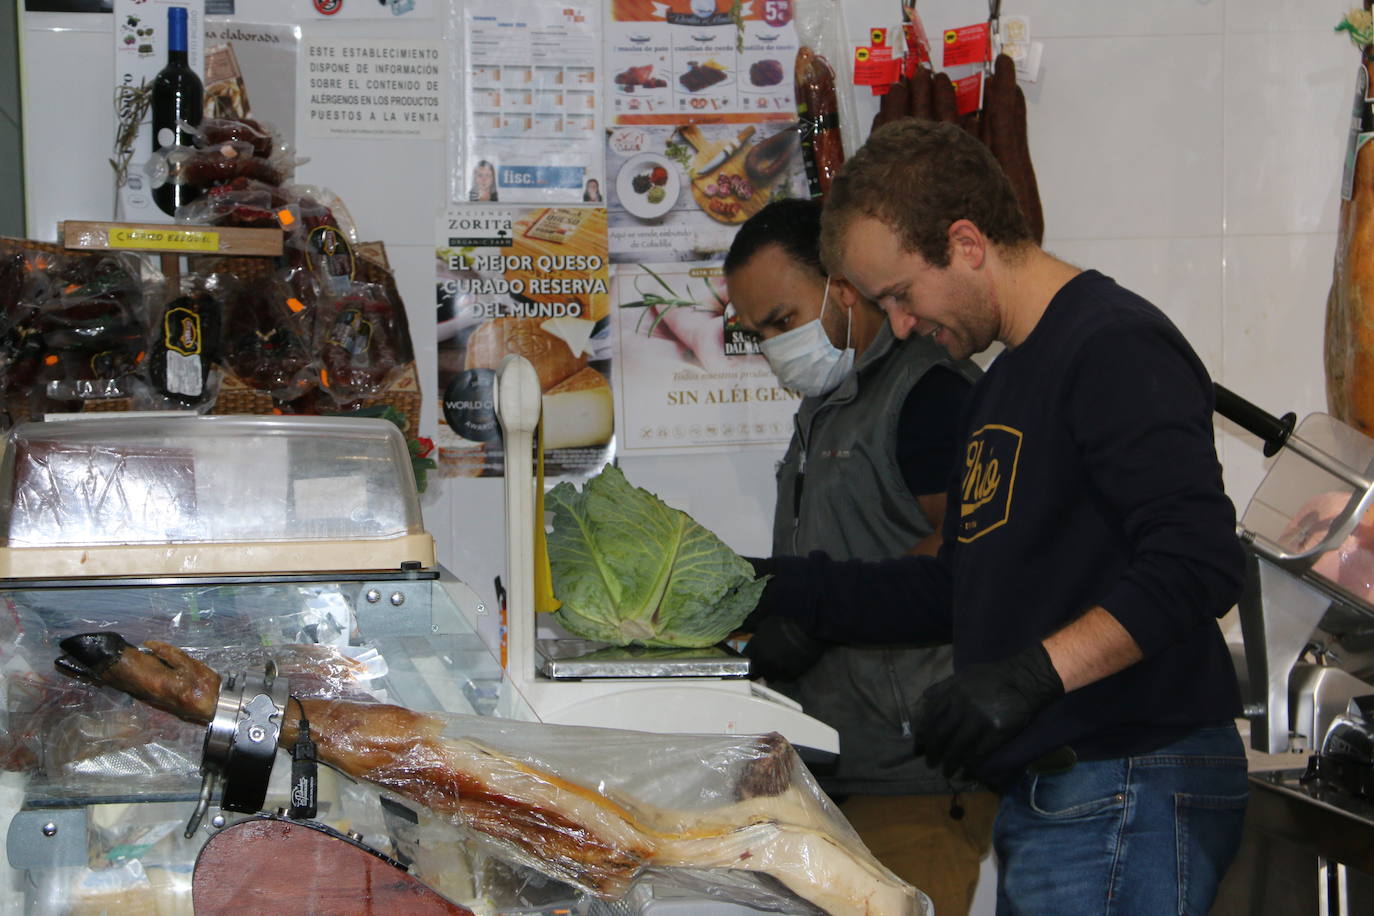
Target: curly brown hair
[[919, 177]]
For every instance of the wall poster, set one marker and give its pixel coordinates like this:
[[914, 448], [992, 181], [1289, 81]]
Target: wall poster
[[373, 87], [703, 115], [687, 378], [531, 125], [532, 281], [246, 64], [365, 9]]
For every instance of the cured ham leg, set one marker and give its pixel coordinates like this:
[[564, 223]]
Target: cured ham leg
[[584, 835], [1349, 344]]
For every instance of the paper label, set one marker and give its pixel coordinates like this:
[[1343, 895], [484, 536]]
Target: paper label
[[373, 87], [1361, 130], [874, 64], [163, 239], [966, 45], [183, 374], [968, 93]]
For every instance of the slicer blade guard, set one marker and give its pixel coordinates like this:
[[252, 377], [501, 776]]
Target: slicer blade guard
[[1307, 562]]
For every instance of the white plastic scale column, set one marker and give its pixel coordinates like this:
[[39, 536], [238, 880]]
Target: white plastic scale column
[[708, 705]]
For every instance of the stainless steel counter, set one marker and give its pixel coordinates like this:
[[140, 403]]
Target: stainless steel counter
[[1306, 850]]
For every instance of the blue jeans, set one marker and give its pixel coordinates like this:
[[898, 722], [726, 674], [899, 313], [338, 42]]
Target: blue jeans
[[1149, 834]]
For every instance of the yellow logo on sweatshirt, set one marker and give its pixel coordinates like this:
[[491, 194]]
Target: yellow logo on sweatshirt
[[989, 475]]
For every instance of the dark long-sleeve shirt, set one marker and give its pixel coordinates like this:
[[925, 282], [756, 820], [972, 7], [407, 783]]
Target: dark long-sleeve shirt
[[1088, 477]]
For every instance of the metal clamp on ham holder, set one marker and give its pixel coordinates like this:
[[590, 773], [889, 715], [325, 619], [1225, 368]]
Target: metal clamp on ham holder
[[241, 742]]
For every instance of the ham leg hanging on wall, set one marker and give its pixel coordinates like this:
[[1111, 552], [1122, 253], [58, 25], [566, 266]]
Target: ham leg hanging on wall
[[1349, 346], [573, 832]]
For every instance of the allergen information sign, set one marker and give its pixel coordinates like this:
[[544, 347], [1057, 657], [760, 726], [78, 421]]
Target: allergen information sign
[[377, 88]]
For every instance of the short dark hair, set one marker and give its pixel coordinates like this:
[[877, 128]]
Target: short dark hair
[[919, 177], [793, 225]]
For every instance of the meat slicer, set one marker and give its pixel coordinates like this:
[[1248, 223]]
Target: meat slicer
[[1307, 612], [573, 682]]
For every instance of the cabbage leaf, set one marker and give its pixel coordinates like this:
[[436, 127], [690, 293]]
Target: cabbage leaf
[[630, 569]]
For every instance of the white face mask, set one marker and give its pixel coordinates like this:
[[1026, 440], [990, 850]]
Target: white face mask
[[805, 360]]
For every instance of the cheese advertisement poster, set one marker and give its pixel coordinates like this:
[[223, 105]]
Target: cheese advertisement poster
[[687, 378], [532, 281]]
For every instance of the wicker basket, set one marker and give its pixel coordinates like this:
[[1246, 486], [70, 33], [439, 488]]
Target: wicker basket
[[401, 390]]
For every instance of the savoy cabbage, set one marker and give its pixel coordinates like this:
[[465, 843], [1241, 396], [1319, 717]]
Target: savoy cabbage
[[630, 569]]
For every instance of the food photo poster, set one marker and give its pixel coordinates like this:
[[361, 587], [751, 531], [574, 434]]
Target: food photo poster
[[532, 281], [687, 377]]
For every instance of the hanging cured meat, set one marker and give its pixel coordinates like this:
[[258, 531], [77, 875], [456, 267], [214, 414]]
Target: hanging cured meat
[[1349, 349], [1000, 125]]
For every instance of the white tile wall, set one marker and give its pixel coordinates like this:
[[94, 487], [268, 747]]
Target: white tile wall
[[1126, 136], [1193, 149], [1287, 108]]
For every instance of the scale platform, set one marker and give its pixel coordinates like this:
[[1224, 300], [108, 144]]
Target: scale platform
[[569, 659]]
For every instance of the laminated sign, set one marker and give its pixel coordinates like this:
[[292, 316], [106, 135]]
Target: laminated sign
[[532, 281]]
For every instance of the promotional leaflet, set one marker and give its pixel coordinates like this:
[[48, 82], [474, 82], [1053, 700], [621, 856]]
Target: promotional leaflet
[[679, 193], [713, 61], [532, 281], [531, 125], [687, 377]]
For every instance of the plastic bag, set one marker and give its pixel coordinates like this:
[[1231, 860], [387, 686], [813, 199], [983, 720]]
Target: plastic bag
[[590, 807]]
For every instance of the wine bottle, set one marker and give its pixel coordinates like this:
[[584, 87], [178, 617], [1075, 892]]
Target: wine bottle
[[178, 95]]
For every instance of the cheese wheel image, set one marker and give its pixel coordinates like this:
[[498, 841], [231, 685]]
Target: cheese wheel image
[[578, 411], [551, 357]]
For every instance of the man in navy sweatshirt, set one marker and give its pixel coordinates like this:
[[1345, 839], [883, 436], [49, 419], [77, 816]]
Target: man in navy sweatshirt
[[1092, 551]]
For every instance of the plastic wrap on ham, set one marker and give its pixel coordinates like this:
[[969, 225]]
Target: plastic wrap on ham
[[591, 807]]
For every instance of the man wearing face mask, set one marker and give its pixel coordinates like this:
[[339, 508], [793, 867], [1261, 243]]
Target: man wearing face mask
[[863, 478]]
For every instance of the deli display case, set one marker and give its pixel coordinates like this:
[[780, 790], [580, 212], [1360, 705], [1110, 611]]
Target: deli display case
[[236, 680], [294, 543]]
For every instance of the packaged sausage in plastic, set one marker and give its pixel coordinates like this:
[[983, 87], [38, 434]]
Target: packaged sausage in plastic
[[184, 344], [266, 336], [357, 338], [92, 332]]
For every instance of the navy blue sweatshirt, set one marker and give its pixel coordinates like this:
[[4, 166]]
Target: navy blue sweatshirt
[[1088, 477]]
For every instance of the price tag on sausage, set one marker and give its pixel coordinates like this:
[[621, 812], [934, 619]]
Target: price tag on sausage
[[967, 45], [968, 93], [874, 64]]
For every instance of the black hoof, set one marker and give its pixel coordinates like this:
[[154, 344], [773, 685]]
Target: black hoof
[[90, 654]]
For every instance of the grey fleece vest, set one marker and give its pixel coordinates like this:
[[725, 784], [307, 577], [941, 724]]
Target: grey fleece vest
[[840, 490]]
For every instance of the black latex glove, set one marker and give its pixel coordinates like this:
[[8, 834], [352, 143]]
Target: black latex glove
[[964, 718], [780, 650], [763, 566]]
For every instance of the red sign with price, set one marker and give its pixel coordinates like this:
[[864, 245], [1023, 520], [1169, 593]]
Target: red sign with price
[[777, 12]]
